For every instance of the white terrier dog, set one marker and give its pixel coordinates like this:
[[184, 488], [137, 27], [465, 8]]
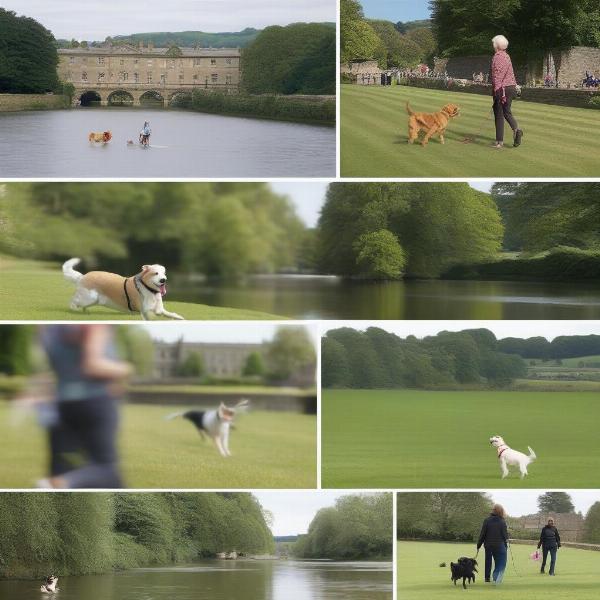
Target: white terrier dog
[[49, 586], [508, 456]]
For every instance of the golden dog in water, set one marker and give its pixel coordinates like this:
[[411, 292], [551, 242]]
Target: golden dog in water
[[431, 123], [100, 137]]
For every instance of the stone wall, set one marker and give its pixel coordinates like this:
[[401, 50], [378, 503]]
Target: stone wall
[[570, 525], [16, 102], [575, 62]]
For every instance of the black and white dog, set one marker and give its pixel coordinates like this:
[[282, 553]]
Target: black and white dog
[[214, 423], [464, 569], [49, 586]]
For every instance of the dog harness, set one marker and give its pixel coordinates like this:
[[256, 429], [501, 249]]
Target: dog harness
[[502, 450], [127, 296], [137, 280]]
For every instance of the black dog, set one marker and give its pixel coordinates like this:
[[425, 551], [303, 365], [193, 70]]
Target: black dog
[[464, 569]]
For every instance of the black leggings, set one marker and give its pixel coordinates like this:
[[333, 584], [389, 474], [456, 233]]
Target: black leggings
[[503, 111], [88, 426]]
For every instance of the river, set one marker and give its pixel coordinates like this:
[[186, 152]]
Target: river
[[320, 297], [225, 580], [54, 143]]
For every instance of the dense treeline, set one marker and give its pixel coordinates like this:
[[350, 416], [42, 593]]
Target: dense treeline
[[391, 44], [356, 528], [378, 359], [533, 27], [447, 516], [295, 59], [190, 39], [28, 57], [591, 533], [76, 533], [541, 216], [219, 229], [391, 230], [564, 346]]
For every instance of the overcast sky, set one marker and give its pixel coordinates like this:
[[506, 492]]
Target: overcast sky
[[518, 503], [396, 10], [293, 511], [97, 19], [501, 329], [226, 331]]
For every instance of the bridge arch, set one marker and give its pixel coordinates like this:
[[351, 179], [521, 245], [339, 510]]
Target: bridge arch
[[120, 98], [90, 98], [176, 95], [152, 98]]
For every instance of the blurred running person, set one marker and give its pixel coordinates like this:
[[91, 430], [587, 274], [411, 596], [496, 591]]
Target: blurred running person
[[89, 380]]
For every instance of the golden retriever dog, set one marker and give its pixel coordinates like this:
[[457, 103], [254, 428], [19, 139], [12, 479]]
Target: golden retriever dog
[[100, 137], [430, 123]]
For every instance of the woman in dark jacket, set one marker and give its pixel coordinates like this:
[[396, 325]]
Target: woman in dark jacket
[[549, 543], [494, 538]]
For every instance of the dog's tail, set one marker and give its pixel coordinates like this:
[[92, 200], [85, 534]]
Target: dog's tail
[[532, 454], [69, 271], [243, 404], [174, 416], [409, 110]]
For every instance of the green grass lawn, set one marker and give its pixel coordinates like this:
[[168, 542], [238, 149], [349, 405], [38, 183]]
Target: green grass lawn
[[557, 143], [270, 450], [420, 439], [33, 290], [421, 578]]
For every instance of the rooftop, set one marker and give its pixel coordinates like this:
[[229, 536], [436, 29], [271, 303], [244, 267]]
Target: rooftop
[[129, 49]]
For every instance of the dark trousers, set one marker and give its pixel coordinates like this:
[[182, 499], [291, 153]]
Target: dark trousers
[[89, 427], [498, 554], [552, 552], [503, 111]]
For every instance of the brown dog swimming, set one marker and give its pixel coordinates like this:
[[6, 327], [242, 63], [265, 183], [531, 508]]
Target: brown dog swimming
[[430, 123], [101, 137]]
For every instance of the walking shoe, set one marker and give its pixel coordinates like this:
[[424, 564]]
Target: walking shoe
[[518, 137]]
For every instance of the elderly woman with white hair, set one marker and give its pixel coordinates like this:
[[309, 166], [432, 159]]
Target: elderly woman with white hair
[[504, 89]]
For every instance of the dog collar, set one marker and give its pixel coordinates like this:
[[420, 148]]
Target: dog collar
[[501, 450], [138, 279]]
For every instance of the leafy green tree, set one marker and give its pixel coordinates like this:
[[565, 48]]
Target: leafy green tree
[[379, 255], [592, 525], [192, 366], [359, 41], [559, 502], [334, 364], [254, 366], [28, 56], [400, 50], [296, 59], [424, 38], [15, 349], [290, 351]]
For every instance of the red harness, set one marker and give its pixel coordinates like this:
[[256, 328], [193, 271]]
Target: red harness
[[501, 450]]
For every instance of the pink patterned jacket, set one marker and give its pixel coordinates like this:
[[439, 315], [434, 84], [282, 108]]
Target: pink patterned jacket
[[502, 71]]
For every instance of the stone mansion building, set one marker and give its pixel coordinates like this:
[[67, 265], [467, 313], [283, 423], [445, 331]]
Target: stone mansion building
[[134, 72]]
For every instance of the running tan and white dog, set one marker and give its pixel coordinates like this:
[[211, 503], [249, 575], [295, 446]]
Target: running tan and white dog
[[508, 456], [141, 293], [214, 423], [49, 586]]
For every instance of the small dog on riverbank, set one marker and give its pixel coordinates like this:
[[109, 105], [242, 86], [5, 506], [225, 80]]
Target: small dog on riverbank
[[49, 586], [214, 423], [508, 456], [141, 293]]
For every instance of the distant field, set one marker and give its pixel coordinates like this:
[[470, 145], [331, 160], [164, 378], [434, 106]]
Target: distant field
[[421, 439], [550, 385], [565, 362], [270, 450], [373, 137], [421, 578], [33, 290]]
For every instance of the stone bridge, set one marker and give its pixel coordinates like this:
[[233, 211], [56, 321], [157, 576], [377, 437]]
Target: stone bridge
[[136, 94]]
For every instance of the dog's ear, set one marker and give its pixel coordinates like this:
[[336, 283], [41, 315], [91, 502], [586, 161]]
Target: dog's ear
[[145, 268]]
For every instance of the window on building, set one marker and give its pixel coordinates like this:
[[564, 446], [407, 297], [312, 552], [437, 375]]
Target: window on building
[[228, 61], [163, 78], [171, 64], [213, 61], [214, 77], [84, 76], [149, 63], [124, 76], [122, 61], [101, 76], [101, 60], [149, 77], [195, 77], [136, 61], [136, 77], [197, 62], [180, 77], [71, 60]]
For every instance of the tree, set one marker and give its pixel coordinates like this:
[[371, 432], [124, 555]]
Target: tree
[[296, 59], [591, 525], [334, 364], [15, 349], [290, 351], [379, 255], [254, 366], [557, 502], [28, 56], [358, 39], [192, 366], [400, 50]]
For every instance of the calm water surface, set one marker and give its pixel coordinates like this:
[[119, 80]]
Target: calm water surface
[[225, 580], [317, 297], [184, 144]]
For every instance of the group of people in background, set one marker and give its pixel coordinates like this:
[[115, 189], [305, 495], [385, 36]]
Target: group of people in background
[[495, 541]]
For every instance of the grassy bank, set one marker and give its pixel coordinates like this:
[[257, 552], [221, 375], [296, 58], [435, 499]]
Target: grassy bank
[[19, 102], [34, 290], [270, 450], [420, 577], [559, 264], [419, 439], [374, 137], [319, 110]]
